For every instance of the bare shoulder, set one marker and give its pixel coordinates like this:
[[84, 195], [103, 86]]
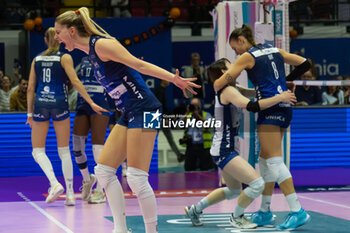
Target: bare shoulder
[[246, 59]]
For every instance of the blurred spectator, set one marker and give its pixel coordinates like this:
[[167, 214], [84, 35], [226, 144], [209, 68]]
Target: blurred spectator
[[5, 91], [160, 93], [18, 99], [197, 140], [308, 95], [332, 96], [346, 90], [17, 69], [195, 70], [1, 76], [120, 8]]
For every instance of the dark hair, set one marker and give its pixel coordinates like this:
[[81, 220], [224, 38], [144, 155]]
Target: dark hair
[[215, 69], [245, 31]]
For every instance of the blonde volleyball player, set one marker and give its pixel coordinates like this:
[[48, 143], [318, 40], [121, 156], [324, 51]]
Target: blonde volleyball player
[[49, 76], [119, 73], [225, 151]]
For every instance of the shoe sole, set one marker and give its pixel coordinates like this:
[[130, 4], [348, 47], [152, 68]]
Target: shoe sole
[[96, 202], [196, 225], [308, 219], [70, 204], [54, 197], [245, 228]]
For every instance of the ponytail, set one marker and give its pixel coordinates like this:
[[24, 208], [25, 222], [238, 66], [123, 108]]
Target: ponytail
[[80, 19], [246, 32], [52, 44]]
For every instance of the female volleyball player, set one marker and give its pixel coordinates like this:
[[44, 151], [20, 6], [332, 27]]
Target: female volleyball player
[[86, 119], [49, 75], [265, 67], [118, 72], [225, 150]]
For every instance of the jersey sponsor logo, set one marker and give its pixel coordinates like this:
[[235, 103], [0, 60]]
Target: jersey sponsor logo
[[38, 115], [133, 88], [265, 51], [117, 92], [48, 58], [47, 89], [94, 89], [277, 118], [62, 114]]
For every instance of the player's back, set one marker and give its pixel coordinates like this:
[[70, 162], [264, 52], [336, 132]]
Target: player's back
[[51, 90], [268, 74]]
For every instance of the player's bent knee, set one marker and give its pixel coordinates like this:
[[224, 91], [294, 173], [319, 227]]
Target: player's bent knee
[[105, 174], [284, 174], [256, 187], [277, 167], [231, 193], [138, 182]]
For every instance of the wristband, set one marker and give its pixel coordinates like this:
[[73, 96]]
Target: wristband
[[30, 114]]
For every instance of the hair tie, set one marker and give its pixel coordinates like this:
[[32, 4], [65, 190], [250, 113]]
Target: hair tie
[[77, 12]]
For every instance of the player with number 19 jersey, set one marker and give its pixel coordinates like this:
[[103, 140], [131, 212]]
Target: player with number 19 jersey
[[51, 98]]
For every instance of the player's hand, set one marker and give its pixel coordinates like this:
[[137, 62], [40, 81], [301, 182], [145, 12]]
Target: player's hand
[[291, 86], [185, 84], [288, 97], [98, 109], [29, 121]]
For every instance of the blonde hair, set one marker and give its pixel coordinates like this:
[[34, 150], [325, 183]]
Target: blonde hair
[[52, 44], [246, 32], [80, 19]]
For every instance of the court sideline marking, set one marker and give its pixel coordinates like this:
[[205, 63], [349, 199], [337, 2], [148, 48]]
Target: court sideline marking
[[324, 202], [50, 217]]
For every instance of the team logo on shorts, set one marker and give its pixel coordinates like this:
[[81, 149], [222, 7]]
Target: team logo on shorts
[[151, 120]]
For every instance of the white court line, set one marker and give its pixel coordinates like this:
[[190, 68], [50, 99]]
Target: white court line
[[66, 229], [324, 202]]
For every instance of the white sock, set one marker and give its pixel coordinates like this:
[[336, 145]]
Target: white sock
[[293, 202], [265, 203], [41, 158], [238, 211], [86, 174], [107, 177], [96, 150], [67, 167], [138, 182], [148, 207], [201, 205]]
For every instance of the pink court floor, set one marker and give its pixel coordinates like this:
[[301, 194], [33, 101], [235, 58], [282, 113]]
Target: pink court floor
[[23, 209]]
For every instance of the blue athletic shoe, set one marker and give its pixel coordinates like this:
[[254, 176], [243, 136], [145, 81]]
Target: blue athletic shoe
[[262, 218], [294, 220]]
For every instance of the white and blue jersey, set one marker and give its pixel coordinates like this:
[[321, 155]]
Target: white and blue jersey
[[225, 141], [93, 88], [269, 78], [125, 85], [51, 98]]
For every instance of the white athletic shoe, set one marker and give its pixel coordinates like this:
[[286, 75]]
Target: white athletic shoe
[[242, 223], [193, 215], [70, 199], [98, 197], [87, 187], [54, 193]]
